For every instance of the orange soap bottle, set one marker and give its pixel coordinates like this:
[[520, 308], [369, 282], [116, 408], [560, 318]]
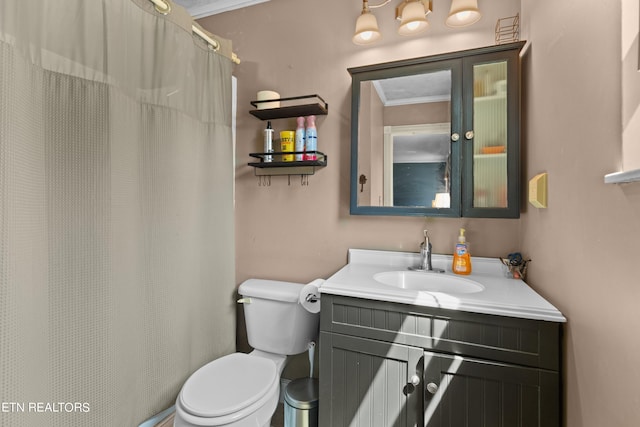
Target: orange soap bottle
[[461, 258]]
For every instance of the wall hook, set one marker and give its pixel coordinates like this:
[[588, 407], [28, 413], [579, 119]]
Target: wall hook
[[362, 181]]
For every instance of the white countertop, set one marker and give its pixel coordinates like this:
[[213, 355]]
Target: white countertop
[[502, 296]]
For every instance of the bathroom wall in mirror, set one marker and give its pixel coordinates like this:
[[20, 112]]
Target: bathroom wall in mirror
[[438, 135]]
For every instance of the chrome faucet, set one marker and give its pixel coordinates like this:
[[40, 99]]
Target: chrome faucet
[[425, 255]]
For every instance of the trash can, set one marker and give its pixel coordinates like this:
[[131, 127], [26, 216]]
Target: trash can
[[301, 403]]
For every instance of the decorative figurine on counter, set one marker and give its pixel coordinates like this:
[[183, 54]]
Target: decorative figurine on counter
[[516, 265]]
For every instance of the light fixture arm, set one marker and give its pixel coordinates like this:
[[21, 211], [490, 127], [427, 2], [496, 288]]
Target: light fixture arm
[[386, 2]]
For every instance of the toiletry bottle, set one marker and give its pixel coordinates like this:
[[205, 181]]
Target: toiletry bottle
[[311, 138], [461, 258], [268, 142], [287, 141], [300, 140]]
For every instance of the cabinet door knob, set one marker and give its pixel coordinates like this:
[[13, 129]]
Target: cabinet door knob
[[432, 388], [415, 380], [469, 134], [455, 136]]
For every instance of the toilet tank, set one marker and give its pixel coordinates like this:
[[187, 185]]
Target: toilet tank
[[275, 320]]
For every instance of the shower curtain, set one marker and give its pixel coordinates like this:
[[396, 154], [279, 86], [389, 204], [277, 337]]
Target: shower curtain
[[116, 210]]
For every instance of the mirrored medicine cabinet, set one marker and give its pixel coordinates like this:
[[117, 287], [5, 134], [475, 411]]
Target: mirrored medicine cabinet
[[438, 135]]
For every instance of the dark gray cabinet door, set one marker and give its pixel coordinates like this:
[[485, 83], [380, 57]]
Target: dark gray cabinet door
[[367, 383], [491, 135], [474, 393]]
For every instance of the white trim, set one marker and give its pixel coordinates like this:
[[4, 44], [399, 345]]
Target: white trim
[[215, 7], [407, 101], [622, 177], [151, 422]]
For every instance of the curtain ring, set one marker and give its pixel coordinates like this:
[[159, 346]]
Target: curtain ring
[[162, 6], [213, 43]]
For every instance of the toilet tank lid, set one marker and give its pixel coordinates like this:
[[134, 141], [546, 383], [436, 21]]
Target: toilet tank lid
[[271, 289]]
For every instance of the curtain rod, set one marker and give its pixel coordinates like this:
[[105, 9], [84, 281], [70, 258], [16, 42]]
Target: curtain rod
[[164, 7]]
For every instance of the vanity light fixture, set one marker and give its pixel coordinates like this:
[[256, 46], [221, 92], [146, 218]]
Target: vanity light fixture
[[412, 15], [463, 13], [367, 26]]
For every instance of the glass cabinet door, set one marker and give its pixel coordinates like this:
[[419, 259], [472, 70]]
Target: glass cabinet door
[[490, 139], [491, 136]]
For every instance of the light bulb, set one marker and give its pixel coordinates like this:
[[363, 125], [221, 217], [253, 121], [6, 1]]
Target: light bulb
[[463, 16], [412, 26], [366, 35]]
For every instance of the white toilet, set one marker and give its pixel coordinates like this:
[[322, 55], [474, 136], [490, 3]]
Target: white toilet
[[242, 390]]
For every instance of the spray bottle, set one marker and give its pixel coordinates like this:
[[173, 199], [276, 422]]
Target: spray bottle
[[311, 138], [268, 142], [300, 139]]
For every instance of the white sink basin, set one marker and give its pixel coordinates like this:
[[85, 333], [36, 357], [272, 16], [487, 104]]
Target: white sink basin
[[428, 282]]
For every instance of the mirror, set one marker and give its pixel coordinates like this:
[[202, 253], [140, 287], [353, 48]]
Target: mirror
[[401, 138], [438, 135]]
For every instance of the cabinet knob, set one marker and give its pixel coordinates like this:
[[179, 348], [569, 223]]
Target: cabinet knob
[[415, 380], [432, 388], [469, 134], [455, 136]]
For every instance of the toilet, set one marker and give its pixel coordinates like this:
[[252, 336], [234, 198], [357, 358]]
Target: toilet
[[242, 390]]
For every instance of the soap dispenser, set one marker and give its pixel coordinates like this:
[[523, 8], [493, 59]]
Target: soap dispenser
[[461, 257]]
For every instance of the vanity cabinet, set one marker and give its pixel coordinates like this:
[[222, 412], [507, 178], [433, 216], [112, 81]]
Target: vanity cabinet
[[438, 135], [387, 364], [368, 382]]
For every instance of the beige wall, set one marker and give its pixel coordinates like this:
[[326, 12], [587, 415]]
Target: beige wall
[[299, 47], [631, 82], [582, 246], [431, 112]]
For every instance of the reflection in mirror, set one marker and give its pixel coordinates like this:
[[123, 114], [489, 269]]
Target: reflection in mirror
[[404, 128], [417, 165]]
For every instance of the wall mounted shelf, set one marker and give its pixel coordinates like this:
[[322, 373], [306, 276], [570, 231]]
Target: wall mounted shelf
[[296, 106], [295, 167]]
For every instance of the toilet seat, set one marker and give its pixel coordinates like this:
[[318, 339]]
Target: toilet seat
[[229, 386]]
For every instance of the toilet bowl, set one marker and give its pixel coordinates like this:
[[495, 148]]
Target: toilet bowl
[[239, 390], [242, 390]]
